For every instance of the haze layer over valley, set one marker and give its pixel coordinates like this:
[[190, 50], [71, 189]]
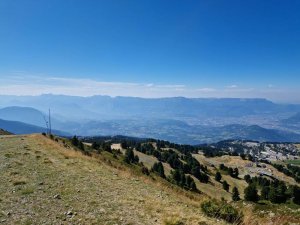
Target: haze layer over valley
[[178, 119]]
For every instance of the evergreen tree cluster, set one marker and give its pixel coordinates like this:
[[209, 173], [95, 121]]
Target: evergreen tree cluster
[[251, 193], [102, 145], [210, 152], [159, 169], [130, 157], [191, 165], [232, 172], [289, 170], [248, 156], [182, 180], [77, 143], [273, 190]]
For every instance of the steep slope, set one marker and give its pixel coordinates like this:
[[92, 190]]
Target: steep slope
[[43, 182]]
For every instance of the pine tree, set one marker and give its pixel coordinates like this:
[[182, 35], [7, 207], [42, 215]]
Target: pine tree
[[81, 146], [296, 194], [251, 193], [190, 183], [265, 192], [225, 185], [247, 178], [182, 182], [277, 193], [218, 176], [230, 172], [95, 145], [75, 141], [136, 159], [129, 156], [243, 156], [176, 176], [159, 169], [273, 197], [235, 194]]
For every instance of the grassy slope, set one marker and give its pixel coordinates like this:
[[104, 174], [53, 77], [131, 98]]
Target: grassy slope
[[147, 160], [34, 169], [236, 161]]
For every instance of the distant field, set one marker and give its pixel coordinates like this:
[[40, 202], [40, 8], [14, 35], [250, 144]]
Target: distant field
[[295, 162], [244, 166], [210, 189]]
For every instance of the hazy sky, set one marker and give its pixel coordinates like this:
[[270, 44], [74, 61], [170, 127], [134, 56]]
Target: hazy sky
[[148, 48]]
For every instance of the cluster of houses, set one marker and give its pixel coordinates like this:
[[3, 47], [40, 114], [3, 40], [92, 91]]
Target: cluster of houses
[[272, 151]]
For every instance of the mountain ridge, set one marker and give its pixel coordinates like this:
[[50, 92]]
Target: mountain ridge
[[177, 119], [23, 128]]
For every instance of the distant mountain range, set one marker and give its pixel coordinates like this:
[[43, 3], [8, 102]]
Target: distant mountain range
[[181, 120], [23, 114], [105, 107], [23, 128], [295, 119], [181, 132]]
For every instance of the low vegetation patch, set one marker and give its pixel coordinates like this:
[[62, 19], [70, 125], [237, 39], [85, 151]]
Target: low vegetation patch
[[19, 182], [222, 210], [173, 221], [27, 191]]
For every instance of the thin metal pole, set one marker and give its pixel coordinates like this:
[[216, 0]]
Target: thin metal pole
[[50, 122]]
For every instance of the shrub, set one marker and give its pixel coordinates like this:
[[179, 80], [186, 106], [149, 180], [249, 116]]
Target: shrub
[[145, 171], [173, 221], [221, 210]]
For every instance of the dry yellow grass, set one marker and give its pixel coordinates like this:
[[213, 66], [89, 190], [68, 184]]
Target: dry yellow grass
[[60, 181], [147, 160], [42, 181], [243, 166]]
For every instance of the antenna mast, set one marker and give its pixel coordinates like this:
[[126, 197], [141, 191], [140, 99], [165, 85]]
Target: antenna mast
[[46, 124], [50, 122]]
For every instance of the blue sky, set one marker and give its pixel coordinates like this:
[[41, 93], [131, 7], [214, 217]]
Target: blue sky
[[217, 48]]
